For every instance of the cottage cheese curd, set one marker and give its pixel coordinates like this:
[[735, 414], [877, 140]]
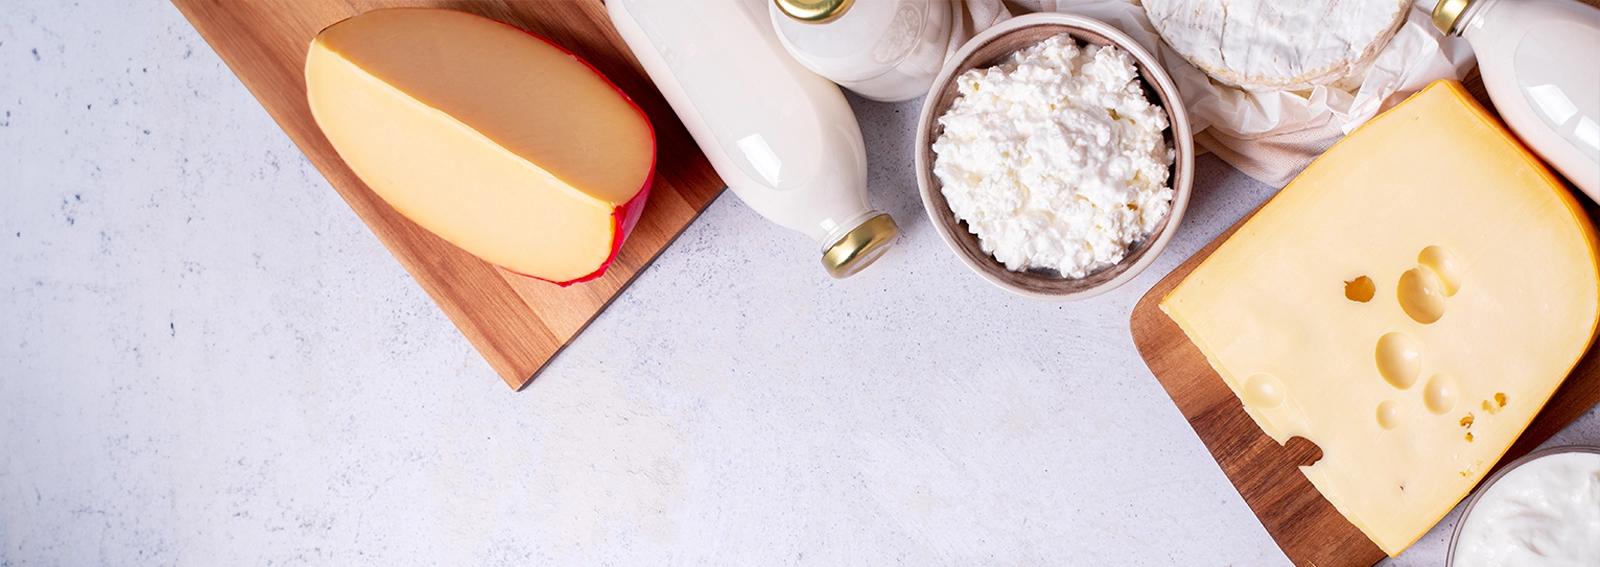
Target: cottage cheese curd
[[1055, 159]]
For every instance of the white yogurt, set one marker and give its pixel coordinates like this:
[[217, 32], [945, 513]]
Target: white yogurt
[[1544, 513]]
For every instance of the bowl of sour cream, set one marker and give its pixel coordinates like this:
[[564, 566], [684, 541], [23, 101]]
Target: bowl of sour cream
[[1054, 156], [1542, 510]]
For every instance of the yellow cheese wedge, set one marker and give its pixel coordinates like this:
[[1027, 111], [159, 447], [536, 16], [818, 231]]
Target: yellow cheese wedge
[[1408, 303], [497, 141]]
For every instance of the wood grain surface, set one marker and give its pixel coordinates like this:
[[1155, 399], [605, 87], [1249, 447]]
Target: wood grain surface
[[517, 323], [1305, 525]]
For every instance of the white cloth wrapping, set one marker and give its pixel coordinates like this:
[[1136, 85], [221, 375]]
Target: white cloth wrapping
[[1270, 136], [971, 17]]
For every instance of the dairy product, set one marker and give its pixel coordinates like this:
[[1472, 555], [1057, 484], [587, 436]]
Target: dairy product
[[1535, 56], [1055, 159], [781, 136], [1543, 513], [496, 141], [1264, 45], [1408, 304], [887, 50]]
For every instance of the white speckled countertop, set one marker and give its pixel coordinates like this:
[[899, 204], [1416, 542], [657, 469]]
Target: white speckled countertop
[[207, 359]]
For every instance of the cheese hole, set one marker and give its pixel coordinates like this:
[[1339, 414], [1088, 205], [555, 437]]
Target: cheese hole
[[1439, 394], [1421, 295], [1360, 290], [1263, 391], [1390, 414], [1399, 359], [1499, 402], [1444, 265]]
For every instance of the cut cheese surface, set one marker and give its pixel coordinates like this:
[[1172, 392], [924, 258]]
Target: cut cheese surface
[[1408, 304], [495, 140]]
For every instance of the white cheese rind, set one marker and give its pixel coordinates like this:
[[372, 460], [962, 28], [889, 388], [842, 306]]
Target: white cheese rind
[[1055, 159], [1272, 45]]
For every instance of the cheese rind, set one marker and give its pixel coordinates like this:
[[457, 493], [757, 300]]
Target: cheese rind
[[498, 142], [1269, 45], [1443, 209]]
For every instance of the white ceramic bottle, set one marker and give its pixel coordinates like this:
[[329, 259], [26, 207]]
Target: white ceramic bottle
[[1538, 59], [782, 137], [886, 50]]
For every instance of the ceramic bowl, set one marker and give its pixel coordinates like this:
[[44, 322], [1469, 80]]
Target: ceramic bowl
[[990, 48], [1488, 483]]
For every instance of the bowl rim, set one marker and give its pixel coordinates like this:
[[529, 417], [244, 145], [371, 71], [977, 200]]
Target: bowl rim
[[1488, 483], [1150, 70]]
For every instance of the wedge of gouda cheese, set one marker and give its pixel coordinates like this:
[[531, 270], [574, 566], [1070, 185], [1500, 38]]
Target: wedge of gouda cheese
[[497, 141], [1408, 303]]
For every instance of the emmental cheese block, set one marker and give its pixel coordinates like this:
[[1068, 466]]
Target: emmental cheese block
[[1408, 304], [499, 142]]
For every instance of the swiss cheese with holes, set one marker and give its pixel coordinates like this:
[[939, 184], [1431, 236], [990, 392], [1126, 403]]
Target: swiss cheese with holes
[[1408, 303]]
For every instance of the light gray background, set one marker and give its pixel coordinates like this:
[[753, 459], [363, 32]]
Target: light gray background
[[207, 359]]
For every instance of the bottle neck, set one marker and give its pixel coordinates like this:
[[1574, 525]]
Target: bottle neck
[[1473, 15]]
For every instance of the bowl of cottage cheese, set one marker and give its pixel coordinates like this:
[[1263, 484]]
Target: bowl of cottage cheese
[[1054, 156]]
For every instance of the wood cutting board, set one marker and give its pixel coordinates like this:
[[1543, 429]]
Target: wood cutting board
[[517, 323], [1306, 526]]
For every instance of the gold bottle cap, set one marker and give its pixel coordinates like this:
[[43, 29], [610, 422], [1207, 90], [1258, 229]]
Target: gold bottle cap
[[860, 247], [1446, 12], [814, 11]]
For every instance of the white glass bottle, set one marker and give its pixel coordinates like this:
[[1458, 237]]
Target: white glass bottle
[[782, 137], [886, 50], [1539, 62]]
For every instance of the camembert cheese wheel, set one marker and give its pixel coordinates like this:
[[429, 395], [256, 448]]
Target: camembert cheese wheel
[[1277, 45], [1408, 304]]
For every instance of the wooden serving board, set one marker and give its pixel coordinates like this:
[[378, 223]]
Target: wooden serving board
[[1306, 526], [517, 323]]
